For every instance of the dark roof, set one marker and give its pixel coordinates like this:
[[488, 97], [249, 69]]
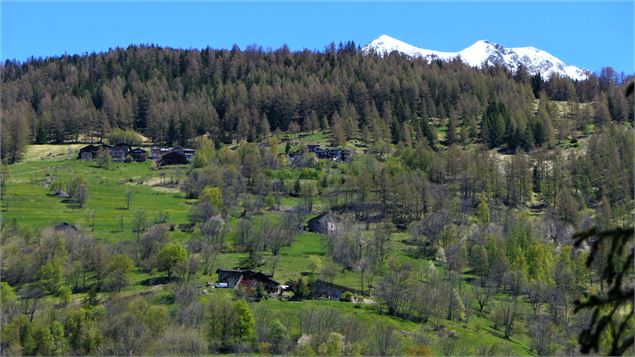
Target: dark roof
[[173, 158], [121, 146], [89, 148], [318, 283], [249, 274], [231, 270], [138, 151], [66, 227]]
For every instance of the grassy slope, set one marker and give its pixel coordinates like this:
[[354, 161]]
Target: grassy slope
[[31, 205]]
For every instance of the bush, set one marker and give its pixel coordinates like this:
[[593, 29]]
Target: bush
[[129, 137], [347, 296], [65, 294]]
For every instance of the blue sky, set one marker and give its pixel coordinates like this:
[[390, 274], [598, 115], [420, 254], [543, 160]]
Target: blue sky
[[586, 34]]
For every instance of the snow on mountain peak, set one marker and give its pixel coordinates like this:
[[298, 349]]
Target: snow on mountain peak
[[484, 51]]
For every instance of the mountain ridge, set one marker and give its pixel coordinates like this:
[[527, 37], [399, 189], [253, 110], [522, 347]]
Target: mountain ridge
[[485, 51]]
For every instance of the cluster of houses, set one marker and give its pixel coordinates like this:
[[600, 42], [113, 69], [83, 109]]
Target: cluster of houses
[[248, 281], [118, 152], [125, 153], [330, 153]]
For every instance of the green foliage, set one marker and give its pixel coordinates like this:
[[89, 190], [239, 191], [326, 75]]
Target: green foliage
[[347, 296], [333, 346], [300, 289], [540, 262], [212, 195], [171, 258], [204, 152], [278, 335], [7, 294], [118, 272], [483, 209], [245, 323], [50, 276], [64, 294], [229, 323], [103, 158], [81, 332], [493, 125], [128, 136]]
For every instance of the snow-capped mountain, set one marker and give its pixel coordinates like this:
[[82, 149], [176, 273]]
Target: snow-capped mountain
[[535, 60]]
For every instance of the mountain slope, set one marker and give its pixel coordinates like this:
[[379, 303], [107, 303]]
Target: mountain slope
[[535, 60]]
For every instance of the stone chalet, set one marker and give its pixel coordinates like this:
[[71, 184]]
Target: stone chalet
[[247, 280], [90, 152], [119, 152]]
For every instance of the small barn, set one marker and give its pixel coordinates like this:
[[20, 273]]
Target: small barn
[[322, 289], [88, 152], [138, 154], [173, 158]]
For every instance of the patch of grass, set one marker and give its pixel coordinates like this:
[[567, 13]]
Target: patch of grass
[[29, 202]]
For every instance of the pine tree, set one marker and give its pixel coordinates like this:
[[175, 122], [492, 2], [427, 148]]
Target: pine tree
[[142, 113], [493, 124], [427, 131]]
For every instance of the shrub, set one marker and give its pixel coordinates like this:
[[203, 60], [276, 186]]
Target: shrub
[[347, 296], [129, 137]]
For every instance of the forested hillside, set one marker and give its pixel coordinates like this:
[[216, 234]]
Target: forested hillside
[[449, 230], [174, 95]]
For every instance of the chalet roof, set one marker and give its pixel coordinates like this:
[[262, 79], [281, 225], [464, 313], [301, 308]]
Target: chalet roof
[[138, 151], [89, 148], [121, 146], [249, 274], [173, 158]]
